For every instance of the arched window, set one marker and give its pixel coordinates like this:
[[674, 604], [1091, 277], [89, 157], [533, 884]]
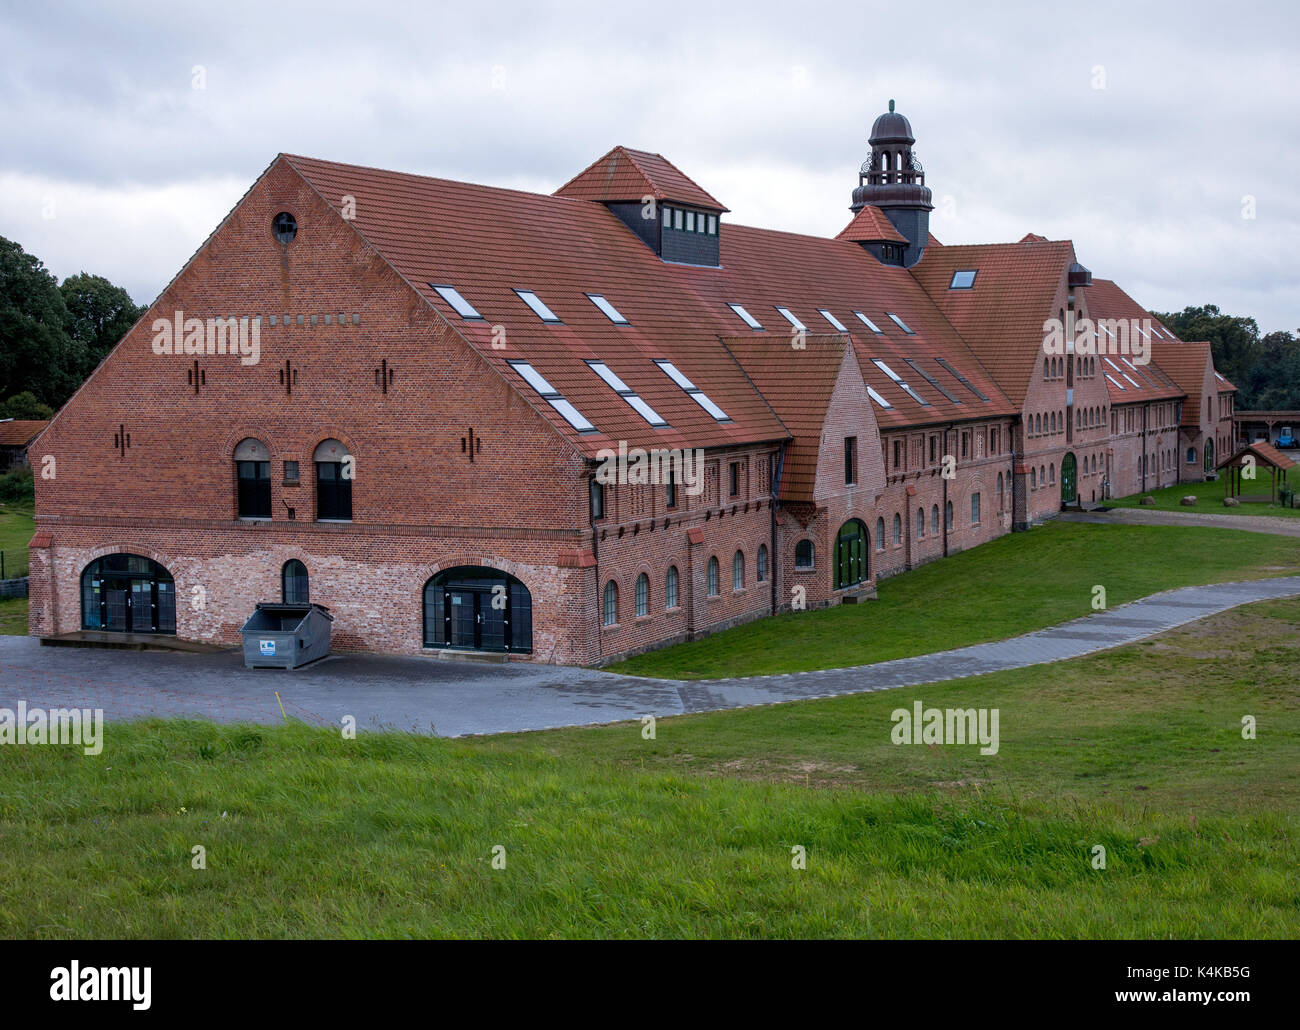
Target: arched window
[[974, 508], [1051, 473], [803, 554], [670, 589], [762, 563], [898, 529], [611, 603], [920, 522], [1000, 491], [253, 474], [713, 577], [738, 571], [293, 582], [1033, 479], [334, 475], [478, 608], [850, 554], [127, 593], [642, 595], [934, 518], [947, 517], [880, 534], [1052, 424]]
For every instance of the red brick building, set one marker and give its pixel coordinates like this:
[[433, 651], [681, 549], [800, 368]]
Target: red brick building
[[569, 427]]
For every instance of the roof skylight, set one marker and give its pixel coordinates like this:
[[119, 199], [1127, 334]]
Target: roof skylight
[[627, 393], [962, 279], [932, 380], [1114, 380], [459, 304], [693, 391], [610, 312], [539, 308], [867, 322], [901, 384], [839, 326], [900, 323], [791, 317], [871, 392], [961, 379], [749, 319], [552, 396]]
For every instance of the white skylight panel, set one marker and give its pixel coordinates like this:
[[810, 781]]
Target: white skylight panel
[[871, 392], [748, 319], [458, 303], [608, 309], [571, 414], [1105, 330], [694, 392], [1113, 365], [539, 308], [627, 393], [1219, 378], [791, 317], [671, 371], [839, 326], [962, 279], [606, 373], [1130, 379], [1115, 381], [1157, 333], [900, 323], [901, 384], [962, 379], [552, 396], [887, 370], [644, 410], [867, 322]]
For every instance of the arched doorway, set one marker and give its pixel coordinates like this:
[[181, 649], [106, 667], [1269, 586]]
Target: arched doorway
[[850, 554], [1069, 477], [127, 593], [478, 609], [1209, 455]]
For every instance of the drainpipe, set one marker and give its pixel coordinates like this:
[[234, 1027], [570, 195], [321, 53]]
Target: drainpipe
[[944, 514], [600, 600], [773, 562]]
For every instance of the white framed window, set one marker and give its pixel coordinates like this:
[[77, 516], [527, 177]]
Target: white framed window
[[539, 308], [458, 303]]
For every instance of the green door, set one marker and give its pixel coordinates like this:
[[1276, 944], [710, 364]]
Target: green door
[[1069, 473]]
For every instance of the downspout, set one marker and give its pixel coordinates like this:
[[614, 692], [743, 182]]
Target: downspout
[[944, 514], [775, 564], [600, 600]]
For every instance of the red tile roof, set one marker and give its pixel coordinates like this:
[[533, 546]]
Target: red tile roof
[[632, 175], [1190, 365], [1001, 317], [1127, 381], [798, 383], [19, 433], [1266, 453], [870, 225], [487, 242], [1032, 237]]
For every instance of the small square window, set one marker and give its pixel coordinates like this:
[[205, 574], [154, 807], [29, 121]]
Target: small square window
[[963, 279], [713, 225], [677, 218], [690, 221], [291, 472]]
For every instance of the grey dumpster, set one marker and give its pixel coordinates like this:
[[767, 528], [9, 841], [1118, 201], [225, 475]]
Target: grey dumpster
[[285, 636]]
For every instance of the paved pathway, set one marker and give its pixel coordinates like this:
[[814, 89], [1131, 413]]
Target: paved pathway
[[455, 698], [1281, 525]]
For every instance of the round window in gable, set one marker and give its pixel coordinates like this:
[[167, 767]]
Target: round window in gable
[[285, 227]]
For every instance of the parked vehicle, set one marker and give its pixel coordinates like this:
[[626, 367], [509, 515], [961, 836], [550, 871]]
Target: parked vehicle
[[1286, 439]]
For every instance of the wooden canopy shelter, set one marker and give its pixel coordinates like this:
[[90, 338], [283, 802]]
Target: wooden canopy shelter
[[1264, 455]]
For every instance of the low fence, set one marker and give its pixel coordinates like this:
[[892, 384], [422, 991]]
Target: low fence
[[13, 587]]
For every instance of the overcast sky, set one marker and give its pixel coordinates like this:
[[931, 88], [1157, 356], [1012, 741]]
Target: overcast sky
[[1138, 131]]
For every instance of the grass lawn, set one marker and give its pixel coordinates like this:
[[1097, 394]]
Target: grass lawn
[[16, 528], [605, 833], [1209, 498], [13, 617], [1011, 585]]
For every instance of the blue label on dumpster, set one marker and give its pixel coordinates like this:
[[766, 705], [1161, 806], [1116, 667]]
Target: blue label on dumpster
[[267, 647]]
